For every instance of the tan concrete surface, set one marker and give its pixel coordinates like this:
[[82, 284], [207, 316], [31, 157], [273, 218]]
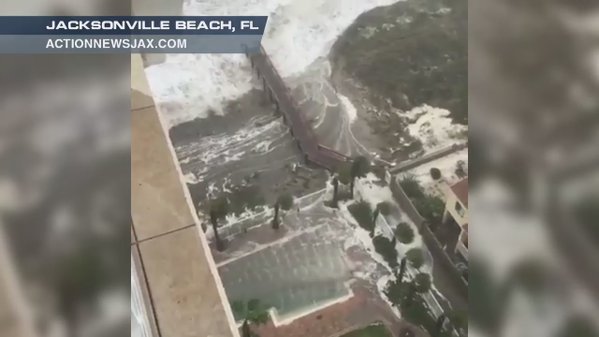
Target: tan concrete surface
[[183, 285], [185, 295], [159, 205]]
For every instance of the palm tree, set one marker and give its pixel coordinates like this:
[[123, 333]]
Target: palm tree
[[218, 209], [419, 285], [416, 257], [404, 233], [375, 215], [335, 191], [410, 294], [275, 220], [402, 270], [439, 325], [214, 222], [384, 207], [422, 283], [359, 168], [285, 201], [458, 320], [245, 329], [252, 312]]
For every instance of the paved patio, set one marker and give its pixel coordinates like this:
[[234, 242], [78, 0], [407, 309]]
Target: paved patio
[[363, 309]]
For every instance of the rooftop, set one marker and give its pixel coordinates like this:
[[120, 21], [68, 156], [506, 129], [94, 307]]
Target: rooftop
[[461, 191]]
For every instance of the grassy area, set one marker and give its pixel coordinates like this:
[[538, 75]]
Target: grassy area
[[375, 330], [412, 52], [362, 212]]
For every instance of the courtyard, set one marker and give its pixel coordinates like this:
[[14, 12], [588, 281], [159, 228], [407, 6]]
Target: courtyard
[[318, 261], [297, 269]]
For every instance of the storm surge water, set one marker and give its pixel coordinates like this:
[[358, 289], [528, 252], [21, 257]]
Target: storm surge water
[[187, 87]]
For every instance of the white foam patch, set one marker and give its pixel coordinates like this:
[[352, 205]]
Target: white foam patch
[[187, 87], [433, 127], [447, 165], [348, 107], [298, 32], [220, 149]]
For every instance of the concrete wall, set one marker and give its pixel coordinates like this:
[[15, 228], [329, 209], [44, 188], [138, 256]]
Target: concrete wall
[[450, 206]]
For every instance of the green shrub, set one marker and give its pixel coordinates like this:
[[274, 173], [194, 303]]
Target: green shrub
[[220, 206], [418, 313], [412, 306], [362, 213], [435, 173], [360, 167], [384, 207], [379, 171], [386, 248], [397, 292], [431, 208], [286, 201], [412, 187], [416, 257], [404, 233], [422, 282]]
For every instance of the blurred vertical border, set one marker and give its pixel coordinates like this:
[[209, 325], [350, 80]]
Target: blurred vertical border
[[65, 186], [534, 156]]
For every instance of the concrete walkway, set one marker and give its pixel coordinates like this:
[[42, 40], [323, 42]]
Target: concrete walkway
[[410, 164]]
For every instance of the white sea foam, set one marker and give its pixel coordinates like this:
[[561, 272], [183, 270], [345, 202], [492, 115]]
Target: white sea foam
[[348, 107], [298, 32], [433, 127]]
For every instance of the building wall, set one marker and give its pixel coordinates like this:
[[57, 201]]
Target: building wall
[[459, 212], [461, 248], [450, 207]]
